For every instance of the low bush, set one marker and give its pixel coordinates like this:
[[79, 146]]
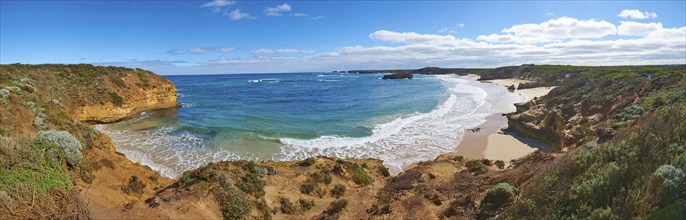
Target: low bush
[[252, 184], [361, 177], [336, 207], [338, 190], [286, 206], [476, 167], [116, 99], [135, 186], [500, 164], [497, 197], [67, 143], [306, 204]]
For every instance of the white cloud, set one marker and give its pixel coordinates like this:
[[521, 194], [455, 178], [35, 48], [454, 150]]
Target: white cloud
[[299, 14], [218, 3], [461, 24], [277, 10], [582, 42], [236, 15], [550, 13], [281, 50], [293, 51], [631, 28], [636, 14], [262, 51], [552, 30], [318, 17], [227, 49], [200, 50]]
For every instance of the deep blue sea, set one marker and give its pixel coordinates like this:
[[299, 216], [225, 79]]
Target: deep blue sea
[[298, 115]]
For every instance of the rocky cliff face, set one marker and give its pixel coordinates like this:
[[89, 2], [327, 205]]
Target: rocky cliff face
[[157, 93]]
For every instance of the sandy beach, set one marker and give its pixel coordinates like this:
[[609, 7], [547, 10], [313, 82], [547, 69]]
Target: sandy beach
[[488, 141]]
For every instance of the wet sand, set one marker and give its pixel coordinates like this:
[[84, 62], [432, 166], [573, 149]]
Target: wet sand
[[488, 141]]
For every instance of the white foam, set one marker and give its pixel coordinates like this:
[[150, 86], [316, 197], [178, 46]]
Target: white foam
[[163, 150], [414, 138]]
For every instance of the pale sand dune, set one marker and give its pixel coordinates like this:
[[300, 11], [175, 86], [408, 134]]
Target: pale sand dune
[[490, 142]]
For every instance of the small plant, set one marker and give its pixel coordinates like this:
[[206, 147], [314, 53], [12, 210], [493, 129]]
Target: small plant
[[434, 198], [320, 177], [286, 206], [308, 187], [336, 206], [476, 167], [306, 204], [135, 186], [117, 81], [338, 190], [251, 184], [498, 196], [361, 177], [500, 164], [116, 99]]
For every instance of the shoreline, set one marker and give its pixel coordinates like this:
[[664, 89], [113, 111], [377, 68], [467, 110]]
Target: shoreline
[[490, 140]]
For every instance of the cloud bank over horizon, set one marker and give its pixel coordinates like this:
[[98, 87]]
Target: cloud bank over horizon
[[562, 40]]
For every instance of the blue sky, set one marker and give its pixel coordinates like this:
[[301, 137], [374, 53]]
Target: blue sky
[[204, 37]]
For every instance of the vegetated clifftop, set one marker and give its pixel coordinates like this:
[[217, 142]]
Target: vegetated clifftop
[[93, 93], [54, 98]]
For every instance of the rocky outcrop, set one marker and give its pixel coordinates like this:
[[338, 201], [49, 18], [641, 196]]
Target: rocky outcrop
[[398, 76], [157, 94]]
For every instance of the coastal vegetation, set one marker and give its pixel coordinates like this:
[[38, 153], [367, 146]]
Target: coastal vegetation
[[618, 137]]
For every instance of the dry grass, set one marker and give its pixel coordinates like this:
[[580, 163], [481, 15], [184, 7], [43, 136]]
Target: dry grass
[[29, 204]]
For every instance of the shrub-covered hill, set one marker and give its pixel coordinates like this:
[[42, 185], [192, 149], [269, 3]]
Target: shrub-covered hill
[[47, 150]]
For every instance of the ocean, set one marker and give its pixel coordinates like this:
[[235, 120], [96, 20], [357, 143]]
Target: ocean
[[298, 115]]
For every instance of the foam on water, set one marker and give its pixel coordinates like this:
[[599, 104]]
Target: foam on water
[[414, 138], [164, 150]]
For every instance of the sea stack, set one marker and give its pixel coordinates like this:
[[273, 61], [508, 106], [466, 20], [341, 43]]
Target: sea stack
[[398, 76]]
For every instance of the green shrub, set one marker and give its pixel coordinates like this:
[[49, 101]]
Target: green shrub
[[361, 177], [672, 179], [117, 81], [135, 186], [497, 197], [286, 206], [252, 184], [116, 99], [31, 166], [4, 93], [336, 206], [338, 190], [320, 177], [476, 167], [306, 204], [233, 204], [66, 142]]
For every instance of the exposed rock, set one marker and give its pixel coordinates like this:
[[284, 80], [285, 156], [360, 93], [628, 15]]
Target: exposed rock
[[398, 76]]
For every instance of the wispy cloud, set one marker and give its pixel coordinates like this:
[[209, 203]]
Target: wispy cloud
[[299, 14], [636, 14], [318, 17], [277, 10], [280, 50], [217, 5], [236, 15], [200, 50]]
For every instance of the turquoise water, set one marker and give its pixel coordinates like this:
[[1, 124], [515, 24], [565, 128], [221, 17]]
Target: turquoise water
[[298, 115]]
